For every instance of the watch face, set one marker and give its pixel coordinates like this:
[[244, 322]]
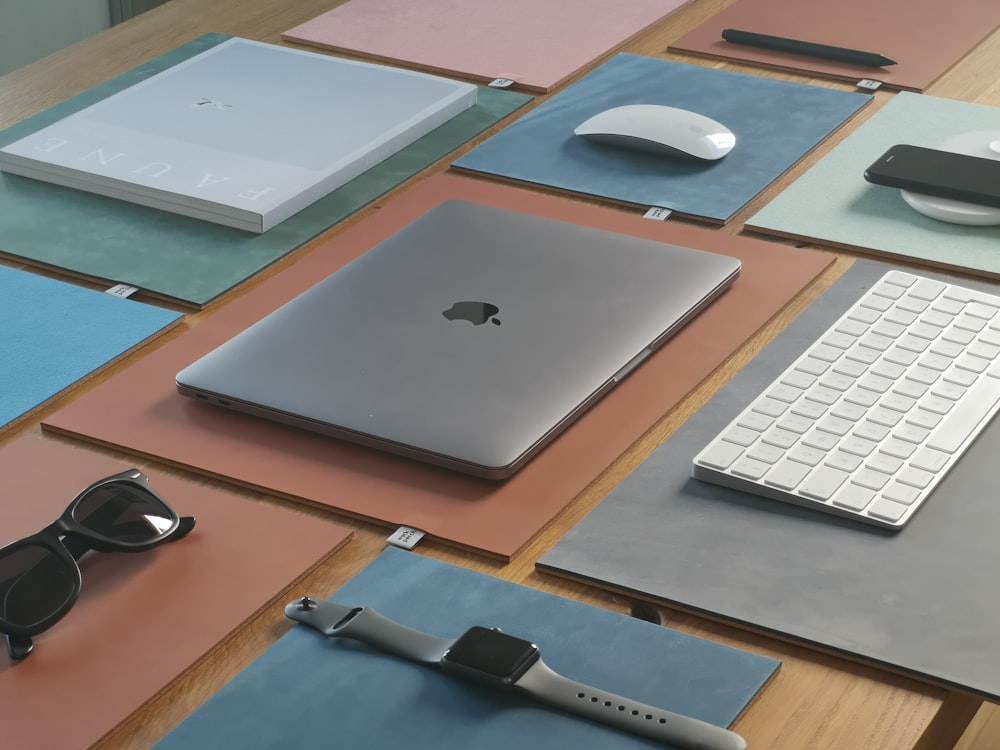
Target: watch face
[[490, 655]]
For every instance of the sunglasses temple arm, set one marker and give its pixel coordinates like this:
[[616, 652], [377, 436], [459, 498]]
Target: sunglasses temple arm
[[18, 646]]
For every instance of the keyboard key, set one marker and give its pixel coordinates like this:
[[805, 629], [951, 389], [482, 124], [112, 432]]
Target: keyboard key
[[823, 482], [787, 475], [915, 477], [873, 480], [901, 356], [798, 379], [824, 441], [870, 430], [900, 493], [911, 304], [826, 353], [781, 438], [909, 434], [987, 351], [930, 459], [889, 290], [927, 289], [909, 388], [857, 446], [823, 395], [769, 454], [720, 455], [979, 310], [809, 409], [795, 423], [754, 421], [900, 316], [843, 461], [896, 402], [923, 418], [865, 315], [896, 446], [854, 497], [961, 377], [750, 469], [889, 370], [887, 510], [741, 436], [885, 463], [962, 422], [785, 393], [812, 366], [807, 456], [848, 411], [837, 381], [850, 368], [769, 407]]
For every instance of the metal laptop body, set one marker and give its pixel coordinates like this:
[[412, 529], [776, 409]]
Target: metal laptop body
[[469, 339]]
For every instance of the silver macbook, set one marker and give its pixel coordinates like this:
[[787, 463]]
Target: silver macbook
[[469, 339]]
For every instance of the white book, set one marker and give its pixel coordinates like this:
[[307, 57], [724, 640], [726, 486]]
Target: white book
[[244, 134]]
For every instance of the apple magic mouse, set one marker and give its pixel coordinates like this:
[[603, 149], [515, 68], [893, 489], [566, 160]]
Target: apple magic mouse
[[662, 130]]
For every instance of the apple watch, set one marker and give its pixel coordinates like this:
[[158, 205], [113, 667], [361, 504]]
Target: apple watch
[[492, 657]]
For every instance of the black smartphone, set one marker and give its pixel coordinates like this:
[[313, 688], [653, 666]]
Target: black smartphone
[[945, 174]]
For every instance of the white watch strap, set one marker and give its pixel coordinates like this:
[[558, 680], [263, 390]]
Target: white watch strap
[[544, 684], [366, 625]]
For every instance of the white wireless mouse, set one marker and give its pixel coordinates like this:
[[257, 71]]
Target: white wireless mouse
[[662, 130]]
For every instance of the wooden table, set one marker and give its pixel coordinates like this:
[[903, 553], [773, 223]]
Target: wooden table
[[817, 701]]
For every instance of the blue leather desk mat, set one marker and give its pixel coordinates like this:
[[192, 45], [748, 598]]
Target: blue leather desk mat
[[925, 600], [309, 692], [54, 334], [775, 122]]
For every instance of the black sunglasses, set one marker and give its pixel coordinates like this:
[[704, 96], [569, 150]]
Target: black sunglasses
[[39, 575]]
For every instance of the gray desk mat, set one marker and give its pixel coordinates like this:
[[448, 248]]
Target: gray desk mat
[[925, 600]]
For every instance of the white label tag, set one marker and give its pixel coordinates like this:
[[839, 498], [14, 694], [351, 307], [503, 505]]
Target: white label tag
[[658, 213], [405, 537], [501, 83], [869, 84], [122, 290]]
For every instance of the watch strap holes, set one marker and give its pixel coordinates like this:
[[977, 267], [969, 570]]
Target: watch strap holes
[[620, 707]]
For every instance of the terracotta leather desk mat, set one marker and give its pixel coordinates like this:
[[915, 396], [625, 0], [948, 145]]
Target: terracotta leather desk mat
[[924, 37], [140, 410], [142, 619]]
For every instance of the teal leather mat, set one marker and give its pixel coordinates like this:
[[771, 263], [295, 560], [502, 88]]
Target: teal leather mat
[[186, 260]]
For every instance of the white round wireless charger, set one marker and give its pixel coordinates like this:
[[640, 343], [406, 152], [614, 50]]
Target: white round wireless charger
[[983, 143]]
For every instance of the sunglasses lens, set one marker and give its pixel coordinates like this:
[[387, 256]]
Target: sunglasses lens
[[125, 513], [34, 584]]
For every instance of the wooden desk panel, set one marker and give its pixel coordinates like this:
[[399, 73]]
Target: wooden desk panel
[[817, 701]]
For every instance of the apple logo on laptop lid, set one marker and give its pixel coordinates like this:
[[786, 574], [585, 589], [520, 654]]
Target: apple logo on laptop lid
[[476, 313]]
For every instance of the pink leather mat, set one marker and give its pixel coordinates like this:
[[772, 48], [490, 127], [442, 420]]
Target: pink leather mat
[[140, 410], [142, 619], [538, 45]]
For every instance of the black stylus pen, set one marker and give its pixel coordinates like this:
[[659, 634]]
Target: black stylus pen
[[827, 51]]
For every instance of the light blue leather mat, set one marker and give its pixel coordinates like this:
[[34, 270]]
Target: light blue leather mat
[[775, 122], [53, 334], [833, 204]]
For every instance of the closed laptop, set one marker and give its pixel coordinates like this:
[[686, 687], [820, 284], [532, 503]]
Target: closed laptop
[[468, 339]]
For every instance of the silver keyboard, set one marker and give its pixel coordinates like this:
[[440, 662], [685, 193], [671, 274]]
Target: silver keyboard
[[871, 418]]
